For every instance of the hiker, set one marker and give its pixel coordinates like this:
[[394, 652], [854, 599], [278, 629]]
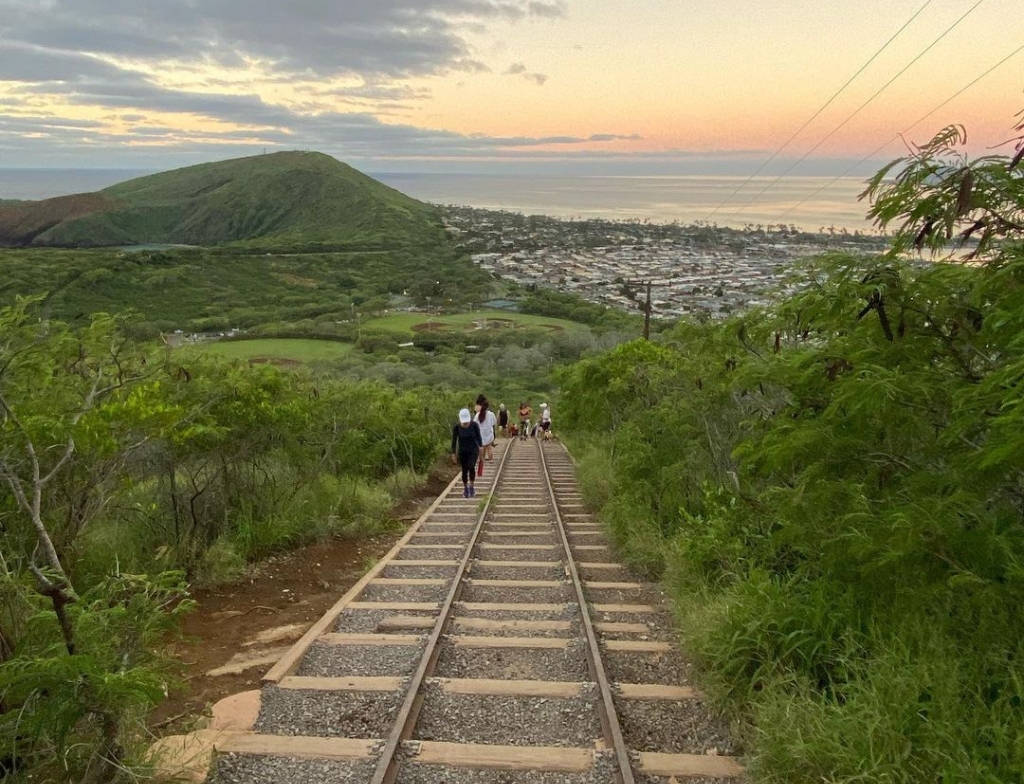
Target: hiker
[[466, 445], [545, 421], [525, 412], [487, 421], [503, 420]]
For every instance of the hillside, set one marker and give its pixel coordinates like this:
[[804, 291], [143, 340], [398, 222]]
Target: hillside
[[293, 199]]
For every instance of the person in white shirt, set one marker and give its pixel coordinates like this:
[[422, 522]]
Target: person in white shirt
[[488, 422], [545, 420]]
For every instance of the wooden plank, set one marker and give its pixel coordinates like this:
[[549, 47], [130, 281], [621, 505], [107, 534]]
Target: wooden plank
[[409, 581], [471, 755], [688, 765], [638, 646], [518, 583], [623, 628], [599, 586], [394, 606], [296, 746], [347, 683], [489, 624], [599, 565], [492, 546], [287, 663], [467, 641], [624, 608], [654, 691], [590, 547], [507, 607], [499, 688], [339, 638], [431, 547]]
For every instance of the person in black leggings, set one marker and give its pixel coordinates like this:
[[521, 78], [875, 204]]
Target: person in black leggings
[[466, 443]]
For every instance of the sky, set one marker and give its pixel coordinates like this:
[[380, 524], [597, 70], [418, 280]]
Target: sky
[[580, 86]]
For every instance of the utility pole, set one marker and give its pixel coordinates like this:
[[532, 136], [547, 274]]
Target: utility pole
[[647, 313]]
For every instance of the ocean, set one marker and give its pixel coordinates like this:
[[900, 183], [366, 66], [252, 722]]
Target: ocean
[[808, 202]]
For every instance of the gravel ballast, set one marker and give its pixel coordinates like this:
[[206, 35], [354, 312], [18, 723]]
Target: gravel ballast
[[404, 593], [548, 539], [335, 661], [668, 669], [436, 537], [689, 780], [253, 769], [336, 714], [566, 612], [642, 595], [659, 625], [474, 592], [367, 621], [517, 721], [445, 527], [620, 575], [548, 553], [396, 570], [552, 570], [430, 554], [543, 664], [683, 727], [600, 773]]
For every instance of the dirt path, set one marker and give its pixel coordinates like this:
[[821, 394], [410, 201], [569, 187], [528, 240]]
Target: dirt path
[[266, 611]]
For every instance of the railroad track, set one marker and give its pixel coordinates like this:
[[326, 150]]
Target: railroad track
[[495, 643]]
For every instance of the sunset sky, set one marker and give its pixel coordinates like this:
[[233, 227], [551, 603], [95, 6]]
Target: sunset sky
[[620, 86]]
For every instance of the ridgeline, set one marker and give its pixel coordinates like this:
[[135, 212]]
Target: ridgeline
[[285, 199]]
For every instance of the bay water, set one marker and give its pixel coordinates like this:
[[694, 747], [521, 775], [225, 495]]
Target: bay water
[[811, 203]]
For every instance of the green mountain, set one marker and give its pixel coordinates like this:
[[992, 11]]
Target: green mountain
[[285, 199]]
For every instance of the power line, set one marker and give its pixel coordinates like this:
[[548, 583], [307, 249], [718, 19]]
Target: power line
[[902, 133], [815, 116], [856, 111]]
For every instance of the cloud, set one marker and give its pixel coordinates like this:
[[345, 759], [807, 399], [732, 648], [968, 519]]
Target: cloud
[[325, 38], [519, 69], [182, 76]]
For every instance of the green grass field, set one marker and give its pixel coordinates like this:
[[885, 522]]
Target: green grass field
[[277, 349], [463, 321]]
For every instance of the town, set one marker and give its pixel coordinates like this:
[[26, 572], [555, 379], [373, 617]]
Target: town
[[697, 270]]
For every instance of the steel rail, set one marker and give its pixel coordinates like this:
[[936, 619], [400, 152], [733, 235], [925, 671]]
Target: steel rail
[[387, 767], [609, 716]]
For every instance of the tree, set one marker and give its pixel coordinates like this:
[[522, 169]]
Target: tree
[[74, 403], [939, 197]]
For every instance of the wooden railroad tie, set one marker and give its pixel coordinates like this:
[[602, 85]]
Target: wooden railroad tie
[[510, 688], [305, 747], [346, 683]]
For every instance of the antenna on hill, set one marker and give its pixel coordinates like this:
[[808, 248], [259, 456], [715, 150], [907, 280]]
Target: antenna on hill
[[647, 313]]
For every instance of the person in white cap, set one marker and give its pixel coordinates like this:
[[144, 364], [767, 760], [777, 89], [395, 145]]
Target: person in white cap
[[545, 419], [466, 445], [503, 419]]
